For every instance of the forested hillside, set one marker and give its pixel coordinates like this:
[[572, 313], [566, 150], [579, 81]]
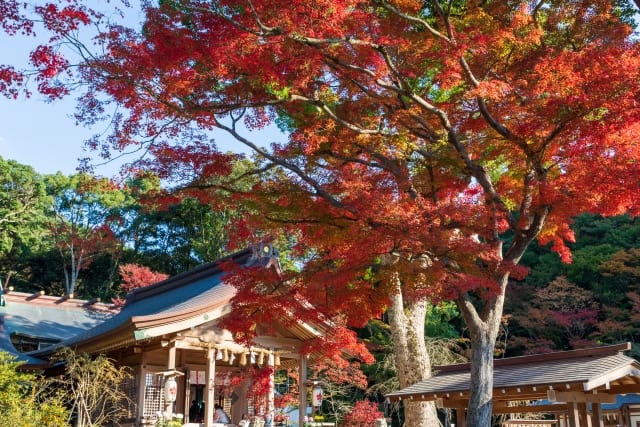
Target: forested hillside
[[74, 234], [593, 300], [79, 234]]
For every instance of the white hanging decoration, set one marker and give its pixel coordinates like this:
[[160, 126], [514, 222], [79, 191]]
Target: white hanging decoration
[[316, 395], [170, 389]]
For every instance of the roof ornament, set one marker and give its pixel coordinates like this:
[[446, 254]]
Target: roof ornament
[[264, 254]]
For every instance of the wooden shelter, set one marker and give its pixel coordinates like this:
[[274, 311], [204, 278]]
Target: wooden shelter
[[568, 386], [169, 332]]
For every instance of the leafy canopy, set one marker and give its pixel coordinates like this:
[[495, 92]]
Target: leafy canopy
[[420, 133]]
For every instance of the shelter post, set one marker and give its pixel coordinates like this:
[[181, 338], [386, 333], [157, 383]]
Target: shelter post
[[302, 412], [596, 415], [272, 396], [210, 379], [585, 419], [171, 367], [573, 414], [141, 387], [461, 416]]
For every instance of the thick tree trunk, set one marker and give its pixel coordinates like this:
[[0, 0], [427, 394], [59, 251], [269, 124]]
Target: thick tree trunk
[[412, 360], [481, 393], [484, 330]]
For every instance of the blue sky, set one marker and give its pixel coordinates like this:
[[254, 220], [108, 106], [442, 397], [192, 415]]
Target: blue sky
[[44, 135]]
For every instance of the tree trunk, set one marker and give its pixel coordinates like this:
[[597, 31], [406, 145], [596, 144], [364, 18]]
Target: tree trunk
[[481, 386], [412, 361], [484, 332]]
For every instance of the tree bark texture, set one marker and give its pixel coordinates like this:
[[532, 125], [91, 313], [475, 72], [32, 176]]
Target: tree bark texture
[[410, 352], [483, 328]]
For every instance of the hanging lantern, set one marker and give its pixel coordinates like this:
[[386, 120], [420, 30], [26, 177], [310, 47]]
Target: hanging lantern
[[170, 390], [316, 396]]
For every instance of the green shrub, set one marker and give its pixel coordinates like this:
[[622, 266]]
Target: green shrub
[[25, 398]]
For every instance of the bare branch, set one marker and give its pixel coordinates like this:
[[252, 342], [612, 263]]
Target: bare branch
[[281, 162]]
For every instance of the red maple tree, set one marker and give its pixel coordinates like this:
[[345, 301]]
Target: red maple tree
[[136, 276], [420, 134]]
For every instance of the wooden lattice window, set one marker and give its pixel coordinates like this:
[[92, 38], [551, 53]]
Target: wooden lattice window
[[153, 395]]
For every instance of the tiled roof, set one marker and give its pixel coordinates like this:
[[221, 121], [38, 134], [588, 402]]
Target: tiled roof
[[177, 297], [181, 302], [46, 317], [50, 317], [7, 346], [589, 368]]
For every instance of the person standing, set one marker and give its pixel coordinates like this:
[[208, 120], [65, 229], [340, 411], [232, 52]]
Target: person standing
[[219, 416]]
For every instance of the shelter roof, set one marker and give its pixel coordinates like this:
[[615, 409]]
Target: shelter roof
[[602, 370]]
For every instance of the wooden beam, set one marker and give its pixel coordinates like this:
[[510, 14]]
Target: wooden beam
[[578, 396], [530, 423], [623, 389], [520, 396], [278, 342], [623, 371], [546, 409]]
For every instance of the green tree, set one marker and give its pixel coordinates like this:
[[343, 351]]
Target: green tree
[[23, 201], [82, 217], [423, 130], [26, 400]]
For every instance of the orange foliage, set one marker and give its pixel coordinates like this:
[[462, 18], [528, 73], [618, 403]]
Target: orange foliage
[[418, 136]]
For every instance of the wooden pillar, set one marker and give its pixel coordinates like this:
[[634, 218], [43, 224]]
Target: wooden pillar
[[187, 394], [302, 411], [210, 380], [562, 420], [241, 405], [585, 419], [573, 414], [461, 416], [171, 365], [596, 415], [142, 388], [272, 395]]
